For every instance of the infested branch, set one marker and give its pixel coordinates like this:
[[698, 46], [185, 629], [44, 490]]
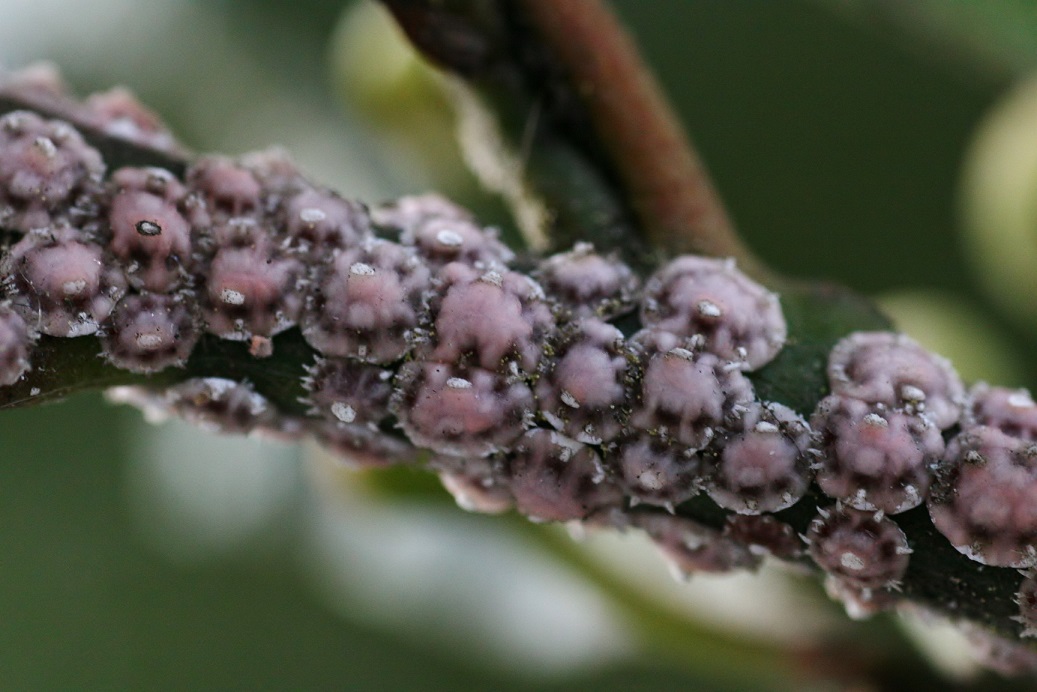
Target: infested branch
[[686, 401]]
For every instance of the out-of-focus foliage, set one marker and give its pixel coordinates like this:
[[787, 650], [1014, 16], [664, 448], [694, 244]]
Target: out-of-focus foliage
[[1000, 205], [998, 38]]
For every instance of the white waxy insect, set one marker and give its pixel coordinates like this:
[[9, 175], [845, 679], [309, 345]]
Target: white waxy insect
[[569, 400], [344, 412], [449, 238], [312, 215], [46, 146]]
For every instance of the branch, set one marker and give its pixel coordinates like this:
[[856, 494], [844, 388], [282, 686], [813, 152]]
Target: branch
[[662, 175], [242, 296], [509, 131], [564, 77]]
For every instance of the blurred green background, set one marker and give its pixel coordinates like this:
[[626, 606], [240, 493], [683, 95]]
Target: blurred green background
[[143, 557]]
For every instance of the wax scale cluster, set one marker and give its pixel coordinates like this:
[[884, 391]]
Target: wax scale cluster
[[569, 389]]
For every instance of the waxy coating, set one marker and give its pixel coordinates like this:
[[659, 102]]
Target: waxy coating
[[864, 549], [985, 501], [45, 170], [872, 457], [895, 371], [763, 467], [739, 320]]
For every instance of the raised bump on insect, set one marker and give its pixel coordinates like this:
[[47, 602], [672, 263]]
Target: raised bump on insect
[[583, 387], [738, 319], [764, 465], [872, 457], [460, 411], [47, 171], [367, 302], [895, 371]]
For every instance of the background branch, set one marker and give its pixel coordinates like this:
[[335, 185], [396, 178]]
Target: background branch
[[597, 65], [569, 72]]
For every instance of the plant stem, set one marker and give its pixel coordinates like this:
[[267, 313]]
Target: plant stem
[[663, 178]]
